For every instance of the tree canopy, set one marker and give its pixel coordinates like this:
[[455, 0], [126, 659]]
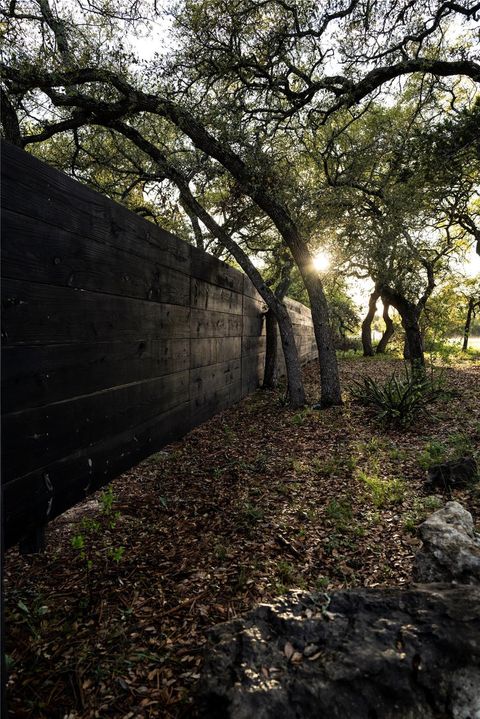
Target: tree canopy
[[266, 125]]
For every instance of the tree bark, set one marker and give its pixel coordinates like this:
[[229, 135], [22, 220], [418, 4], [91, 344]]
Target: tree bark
[[197, 230], [468, 323], [330, 392], [270, 372], [9, 120], [410, 314], [296, 390], [388, 332], [414, 340], [367, 324]]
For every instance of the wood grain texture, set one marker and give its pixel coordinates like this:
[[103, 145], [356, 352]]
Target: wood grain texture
[[117, 338]]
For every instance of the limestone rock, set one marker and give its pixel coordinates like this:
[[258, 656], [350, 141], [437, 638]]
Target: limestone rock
[[361, 654], [451, 548]]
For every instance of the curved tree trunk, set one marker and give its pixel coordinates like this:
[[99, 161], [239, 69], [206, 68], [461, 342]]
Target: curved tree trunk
[[367, 324], [388, 332], [329, 377], [292, 363], [410, 314], [468, 322], [331, 394], [270, 372], [414, 340]]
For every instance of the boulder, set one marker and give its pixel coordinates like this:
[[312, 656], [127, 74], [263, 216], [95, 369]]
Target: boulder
[[359, 654], [456, 474], [450, 549], [362, 653]]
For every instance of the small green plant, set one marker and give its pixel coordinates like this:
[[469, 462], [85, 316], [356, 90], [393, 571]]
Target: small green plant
[[329, 466], [301, 417], [260, 463], [86, 541], [339, 511], [454, 447], [399, 401], [321, 584], [251, 514], [228, 432], [383, 492], [298, 466], [220, 552], [242, 578], [434, 452], [288, 576], [397, 454], [30, 612], [286, 572]]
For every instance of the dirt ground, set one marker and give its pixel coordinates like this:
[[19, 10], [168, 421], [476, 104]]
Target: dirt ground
[[112, 620]]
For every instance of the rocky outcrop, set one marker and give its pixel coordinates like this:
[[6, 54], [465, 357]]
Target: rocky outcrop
[[360, 654], [450, 549], [403, 654]]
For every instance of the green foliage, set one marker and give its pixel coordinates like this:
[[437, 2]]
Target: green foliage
[[303, 416], [398, 400], [251, 514], [453, 447], [30, 612], [321, 584], [339, 511], [288, 576], [383, 492], [91, 542]]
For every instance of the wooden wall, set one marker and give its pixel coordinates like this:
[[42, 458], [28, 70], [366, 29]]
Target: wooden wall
[[117, 338]]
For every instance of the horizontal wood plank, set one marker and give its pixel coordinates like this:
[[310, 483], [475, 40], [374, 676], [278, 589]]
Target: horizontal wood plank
[[206, 296], [35, 438], [208, 323], [46, 314], [45, 254], [36, 498], [33, 375], [212, 350]]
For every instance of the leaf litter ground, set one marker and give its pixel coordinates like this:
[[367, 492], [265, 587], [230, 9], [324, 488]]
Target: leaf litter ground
[[256, 501]]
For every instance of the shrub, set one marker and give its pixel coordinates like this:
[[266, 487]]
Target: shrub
[[399, 400]]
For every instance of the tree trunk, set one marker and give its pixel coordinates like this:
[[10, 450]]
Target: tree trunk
[[367, 324], [414, 339], [410, 314], [270, 373], [388, 332], [9, 120], [329, 378], [292, 363], [468, 322]]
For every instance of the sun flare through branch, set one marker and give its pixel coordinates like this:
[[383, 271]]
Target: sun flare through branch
[[321, 261]]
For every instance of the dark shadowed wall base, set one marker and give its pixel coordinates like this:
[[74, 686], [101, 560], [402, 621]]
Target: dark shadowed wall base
[[117, 338]]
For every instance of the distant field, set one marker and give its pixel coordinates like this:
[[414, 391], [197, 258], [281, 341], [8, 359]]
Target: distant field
[[473, 342]]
